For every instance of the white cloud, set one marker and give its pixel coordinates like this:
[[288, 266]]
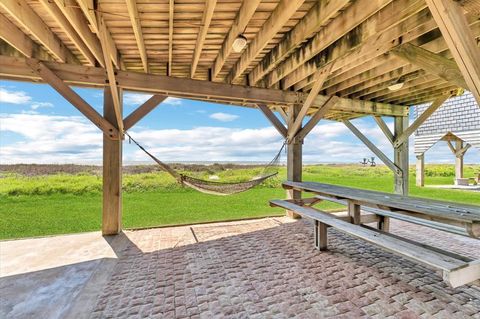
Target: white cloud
[[13, 97], [135, 99], [224, 117], [37, 105], [173, 101]]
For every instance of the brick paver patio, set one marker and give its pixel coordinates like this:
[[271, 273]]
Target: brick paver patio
[[269, 269]]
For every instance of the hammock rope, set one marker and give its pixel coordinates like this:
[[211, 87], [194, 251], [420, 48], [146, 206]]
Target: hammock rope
[[217, 188]]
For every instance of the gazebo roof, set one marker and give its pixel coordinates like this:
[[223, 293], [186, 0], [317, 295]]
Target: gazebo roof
[[351, 49]]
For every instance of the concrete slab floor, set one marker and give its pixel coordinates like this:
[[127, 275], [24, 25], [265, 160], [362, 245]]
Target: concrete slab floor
[[263, 268]]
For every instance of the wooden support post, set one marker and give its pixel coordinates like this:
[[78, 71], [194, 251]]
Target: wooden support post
[[294, 159], [321, 235], [420, 174], [354, 212], [400, 154], [459, 160], [112, 173]]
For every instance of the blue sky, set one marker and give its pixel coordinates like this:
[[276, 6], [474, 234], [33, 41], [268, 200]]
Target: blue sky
[[38, 126]]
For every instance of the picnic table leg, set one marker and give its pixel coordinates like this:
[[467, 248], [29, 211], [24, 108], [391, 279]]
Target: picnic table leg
[[354, 212], [383, 223], [321, 238]]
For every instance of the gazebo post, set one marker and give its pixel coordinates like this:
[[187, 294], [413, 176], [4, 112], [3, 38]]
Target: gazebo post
[[294, 159], [400, 155], [459, 159], [112, 173], [420, 174]]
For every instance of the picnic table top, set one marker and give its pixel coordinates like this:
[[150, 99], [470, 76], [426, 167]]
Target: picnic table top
[[448, 210]]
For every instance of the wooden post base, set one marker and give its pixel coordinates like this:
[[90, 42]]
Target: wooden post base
[[321, 236]]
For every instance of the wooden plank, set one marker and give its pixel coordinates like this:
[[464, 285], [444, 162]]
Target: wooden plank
[[137, 31], [354, 212], [462, 44], [28, 19], [238, 27], [431, 62], [189, 88], [202, 34], [273, 119], [400, 139], [384, 128], [372, 147], [171, 12], [282, 13], [354, 15], [142, 110], [321, 76], [393, 244], [112, 174], [111, 74], [317, 116], [15, 37], [51, 78], [394, 202], [316, 18]]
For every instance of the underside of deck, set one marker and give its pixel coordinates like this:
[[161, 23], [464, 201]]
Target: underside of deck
[[256, 269]]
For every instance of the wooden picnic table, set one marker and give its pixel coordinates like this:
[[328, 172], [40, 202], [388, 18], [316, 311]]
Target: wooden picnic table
[[365, 207]]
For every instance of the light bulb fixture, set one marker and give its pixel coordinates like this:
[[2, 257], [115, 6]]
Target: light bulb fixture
[[396, 85], [239, 43]]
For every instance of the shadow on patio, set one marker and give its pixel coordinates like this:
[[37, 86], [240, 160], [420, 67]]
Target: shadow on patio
[[251, 269]]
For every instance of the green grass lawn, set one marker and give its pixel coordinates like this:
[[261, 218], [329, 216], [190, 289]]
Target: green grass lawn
[[61, 203]]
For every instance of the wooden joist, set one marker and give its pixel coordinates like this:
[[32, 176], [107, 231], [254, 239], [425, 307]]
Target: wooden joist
[[137, 30], [432, 63], [462, 44], [28, 19], [456, 270], [51, 78], [67, 27], [142, 110], [202, 34], [282, 13], [318, 16], [171, 12], [241, 20]]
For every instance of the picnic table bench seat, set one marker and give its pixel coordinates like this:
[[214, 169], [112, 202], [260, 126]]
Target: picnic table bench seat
[[461, 219]]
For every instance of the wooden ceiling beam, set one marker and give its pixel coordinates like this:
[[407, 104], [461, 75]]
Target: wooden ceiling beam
[[14, 67], [462, 44], [69, 30], [353, 16], [373, 38], [277, 20], [202, 34], [171, 12], [137, 30], [28, 19], [316, 18], [431, 62], [238, 27]]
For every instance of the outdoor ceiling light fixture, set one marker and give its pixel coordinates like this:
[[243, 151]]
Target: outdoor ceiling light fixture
[[239, 43], [396, 85]]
